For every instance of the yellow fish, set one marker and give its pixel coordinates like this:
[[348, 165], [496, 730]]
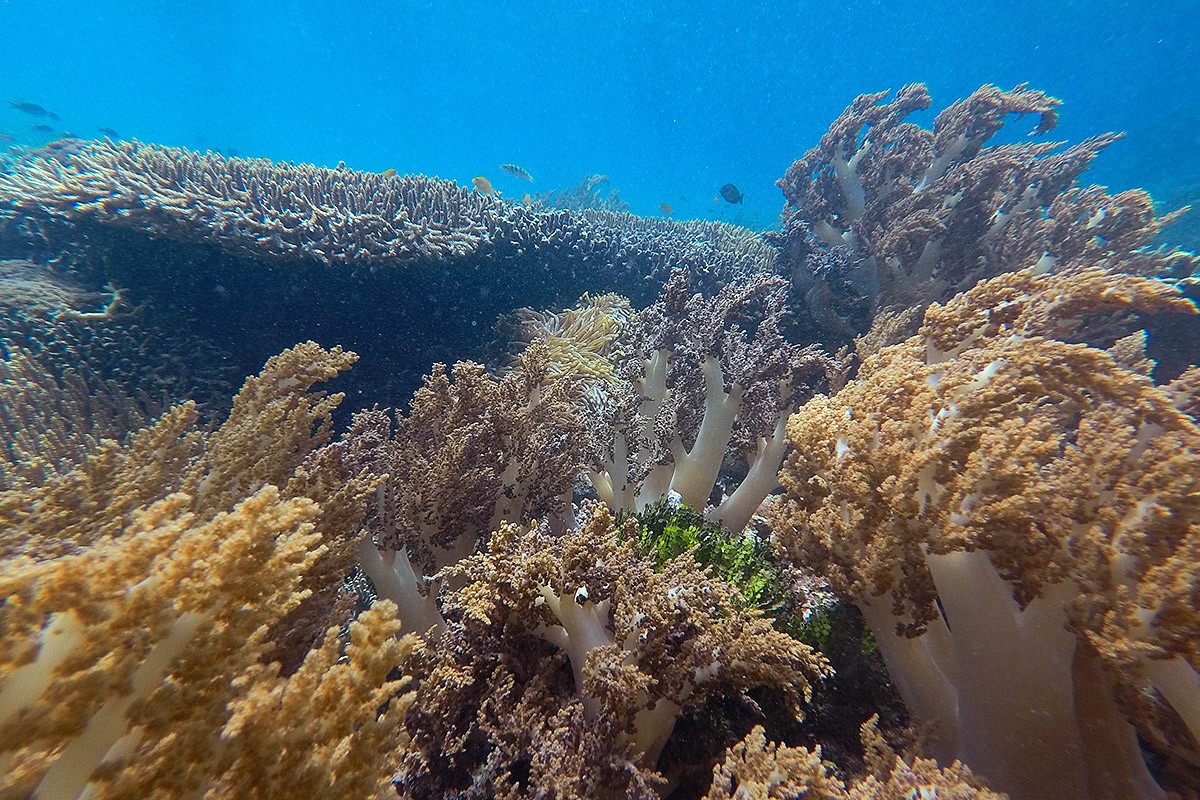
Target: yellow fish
[[482, 185], [388, 173]]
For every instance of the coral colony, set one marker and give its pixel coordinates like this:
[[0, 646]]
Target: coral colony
[[643, 546]]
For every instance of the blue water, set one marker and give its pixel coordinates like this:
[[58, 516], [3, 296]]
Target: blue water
[[669, 99]]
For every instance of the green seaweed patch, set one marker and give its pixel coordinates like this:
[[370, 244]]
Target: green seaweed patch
[[744, 560]]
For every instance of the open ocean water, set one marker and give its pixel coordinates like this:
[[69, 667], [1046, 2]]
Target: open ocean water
[[670, 100]]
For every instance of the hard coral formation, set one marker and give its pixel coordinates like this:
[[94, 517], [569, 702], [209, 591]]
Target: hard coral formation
[[251, 205], [884, 213], [299, 212], [152, 584], [1015, 515]]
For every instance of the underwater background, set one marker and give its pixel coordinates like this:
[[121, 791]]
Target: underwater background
[[670, 100]]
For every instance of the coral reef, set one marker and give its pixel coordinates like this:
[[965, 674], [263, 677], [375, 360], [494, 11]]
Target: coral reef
[[153, 583], [607, 565], [1015, 516], [706, 380], [885, 213], [569, 660]]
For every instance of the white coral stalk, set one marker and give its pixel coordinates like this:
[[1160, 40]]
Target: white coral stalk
[[395, 580], [696, 469]]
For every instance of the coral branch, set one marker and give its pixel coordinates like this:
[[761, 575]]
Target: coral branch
[[1011, 511]]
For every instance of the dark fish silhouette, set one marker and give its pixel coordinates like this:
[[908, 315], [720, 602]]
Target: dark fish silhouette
[[731, 193], [33, 109], [517, 171], [667, 209], [7, 138], [43, 128], [110, 133]]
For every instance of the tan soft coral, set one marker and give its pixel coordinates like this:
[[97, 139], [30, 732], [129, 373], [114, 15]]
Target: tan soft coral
[[157, 581], [1016, 516], [755, 769], [572, 655]]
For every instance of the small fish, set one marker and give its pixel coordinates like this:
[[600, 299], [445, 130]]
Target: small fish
[[388, 173], [527, 199], [731, 193], [7, 138], [482, 185], [33, 109], [516, 171], [43, 128], [110, 133], [667, 209]]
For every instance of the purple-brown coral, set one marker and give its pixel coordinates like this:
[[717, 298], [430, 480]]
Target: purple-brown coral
[[472, 453], [707, 380], [883, 212], [567, 660]]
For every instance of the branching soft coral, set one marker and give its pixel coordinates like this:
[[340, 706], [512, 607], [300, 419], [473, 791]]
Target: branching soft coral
[[570, 660], [755, 769], [1016, 517], [473, 452], [157, 580], [883, 212], [708, 380]]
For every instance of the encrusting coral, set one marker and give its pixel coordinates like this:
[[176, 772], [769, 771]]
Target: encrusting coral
[[567, 660], [1015, 514], [143, 611]]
